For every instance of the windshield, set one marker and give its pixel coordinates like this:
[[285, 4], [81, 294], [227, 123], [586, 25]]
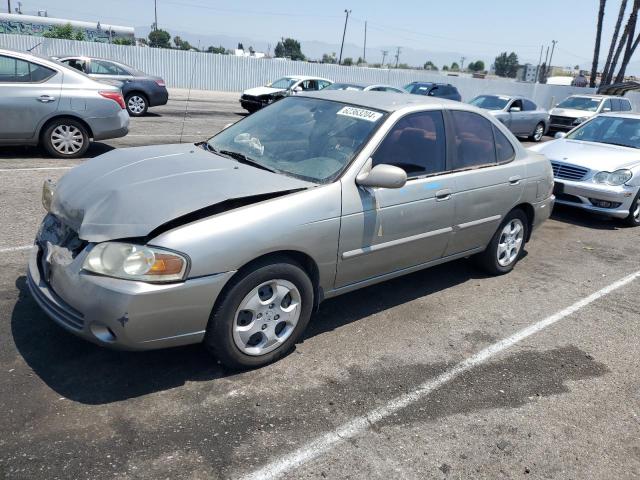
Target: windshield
[[344, 86], [581, 103], [419, 88], [284, 83], [490, 102], [307, 138], [611, 130]]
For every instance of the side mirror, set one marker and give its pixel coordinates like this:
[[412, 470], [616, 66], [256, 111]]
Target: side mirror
[[297, 89], [560, 135], [606, 109], [382, 176], [515, 109]]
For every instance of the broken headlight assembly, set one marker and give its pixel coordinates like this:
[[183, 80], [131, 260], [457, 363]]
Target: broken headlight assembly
[[129, 261]]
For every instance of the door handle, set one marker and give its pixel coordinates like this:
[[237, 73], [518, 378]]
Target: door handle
[[515, 180], [442, 195], [46, 98]]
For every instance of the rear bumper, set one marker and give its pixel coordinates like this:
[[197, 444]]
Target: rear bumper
[[158, 97], [542, 211], [114, 126], [124, 314]]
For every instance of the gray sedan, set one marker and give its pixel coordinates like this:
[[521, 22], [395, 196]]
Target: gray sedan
[[235, 241], [597, 166], [45, 102], [519, 114]]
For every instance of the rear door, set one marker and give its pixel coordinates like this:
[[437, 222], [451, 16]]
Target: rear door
[[387, 230], [487, 181], [518, 117], [29, 93]]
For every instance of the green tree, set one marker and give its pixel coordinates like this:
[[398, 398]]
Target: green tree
[[506, 65], [445, 68], [477, 66], [290, 48], [326, 58], [360, 61], [221, 50], [159, 39], [455, 67], [181, 44], [429, 65], [347, 61], [123, 41], [64, 32], [240, 46]]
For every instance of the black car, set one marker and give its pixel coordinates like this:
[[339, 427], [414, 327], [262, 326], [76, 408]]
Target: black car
[[140, 91], [431, 89]]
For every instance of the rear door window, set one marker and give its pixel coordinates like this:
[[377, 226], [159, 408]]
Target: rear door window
[[14, 70], [416, 143], [101, 67], [473, 140], [529, 105]]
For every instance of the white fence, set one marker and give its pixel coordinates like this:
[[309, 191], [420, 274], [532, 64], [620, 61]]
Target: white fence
[[206, 71]]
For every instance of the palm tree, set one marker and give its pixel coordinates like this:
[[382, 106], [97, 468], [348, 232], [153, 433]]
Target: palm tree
[[633, 19], [596, 49], [614, 41], [622, 43]]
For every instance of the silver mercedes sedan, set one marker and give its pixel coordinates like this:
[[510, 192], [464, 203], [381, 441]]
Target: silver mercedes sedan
[[597, 166], [235, 241]]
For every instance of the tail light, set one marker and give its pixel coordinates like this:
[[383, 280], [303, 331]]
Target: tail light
[[115, 96], [161, 83]]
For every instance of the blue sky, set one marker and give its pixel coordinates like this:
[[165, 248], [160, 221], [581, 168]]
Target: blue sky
[[475, 28]]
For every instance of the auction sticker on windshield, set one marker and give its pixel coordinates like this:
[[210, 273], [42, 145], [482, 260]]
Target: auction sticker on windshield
[[361, 113]]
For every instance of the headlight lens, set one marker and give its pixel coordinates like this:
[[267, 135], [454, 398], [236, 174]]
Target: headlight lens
[[135, 262], [619, 177], [580, 120], [48, 190]]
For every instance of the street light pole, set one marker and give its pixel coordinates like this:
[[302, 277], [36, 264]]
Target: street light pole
[[155, 14], [9, 6], [553, 47], [364, 51], [344, 32]]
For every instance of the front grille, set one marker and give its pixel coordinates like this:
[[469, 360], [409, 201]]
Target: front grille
[[558, 120], [568, 172]]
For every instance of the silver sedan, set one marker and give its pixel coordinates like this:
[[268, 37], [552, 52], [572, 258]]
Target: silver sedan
[[47, 103], [597, 166], [235, 241], [521, 115]]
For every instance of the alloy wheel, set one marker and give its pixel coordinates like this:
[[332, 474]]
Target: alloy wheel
[[67, 139], [510, 243], [136, 104], [538, 133], [266, 317]]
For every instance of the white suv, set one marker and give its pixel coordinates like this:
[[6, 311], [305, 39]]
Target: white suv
[[576, 109]]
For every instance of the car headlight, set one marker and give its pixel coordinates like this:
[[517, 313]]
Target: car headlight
[[580, 120], [619, 177], [135, 262], [48, 190]]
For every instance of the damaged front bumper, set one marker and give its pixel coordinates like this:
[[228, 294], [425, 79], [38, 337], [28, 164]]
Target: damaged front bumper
[[120, 313]]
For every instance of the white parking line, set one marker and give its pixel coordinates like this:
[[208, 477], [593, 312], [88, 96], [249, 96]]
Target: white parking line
[[361, 424], [33, 168], [15, 249]]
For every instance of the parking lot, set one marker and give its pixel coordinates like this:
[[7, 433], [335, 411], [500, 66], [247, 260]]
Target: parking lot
[[445, 373]]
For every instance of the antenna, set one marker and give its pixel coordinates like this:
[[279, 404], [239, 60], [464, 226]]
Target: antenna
[[186, 106]]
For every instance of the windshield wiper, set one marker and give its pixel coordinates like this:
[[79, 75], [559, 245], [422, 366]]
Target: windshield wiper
[[242, 158]]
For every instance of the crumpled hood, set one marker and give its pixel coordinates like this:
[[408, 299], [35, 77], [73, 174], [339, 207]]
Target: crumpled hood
[[591, 155], [130, 192], [571, 113], [257, 91]]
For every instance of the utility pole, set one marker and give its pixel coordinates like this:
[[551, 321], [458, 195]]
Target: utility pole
[[155, 14], [364, 50], [397, 56], [384, 55], [539, 62], [462, 63], [9, 6], [552, 49], [344, 32]]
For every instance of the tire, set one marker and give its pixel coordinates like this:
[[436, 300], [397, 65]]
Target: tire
[[633, 220], [137, 104], [252, 323], [538, 133], [495, 260], [65, 138]]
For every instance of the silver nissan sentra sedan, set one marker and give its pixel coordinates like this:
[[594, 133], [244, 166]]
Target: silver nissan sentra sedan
[[233, 242]]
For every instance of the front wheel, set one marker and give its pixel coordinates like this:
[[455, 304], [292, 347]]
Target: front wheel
[[633, 220], [261, 315], [506, 246], [137, 104], [538, 133]]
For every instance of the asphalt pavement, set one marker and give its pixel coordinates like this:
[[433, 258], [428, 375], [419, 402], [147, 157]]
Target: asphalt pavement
[[445, 373]]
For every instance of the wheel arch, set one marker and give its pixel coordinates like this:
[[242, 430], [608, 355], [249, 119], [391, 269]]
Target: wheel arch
[[49, 121], [530, 213]]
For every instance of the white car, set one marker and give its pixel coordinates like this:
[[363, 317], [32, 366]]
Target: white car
[[597, 166], [576, 109], [258, 97]]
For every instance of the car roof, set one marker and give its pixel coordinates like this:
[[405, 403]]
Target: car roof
[[512, 97], [385, 101], [305, 77], [430, 83], [632, 115], [594, 96]]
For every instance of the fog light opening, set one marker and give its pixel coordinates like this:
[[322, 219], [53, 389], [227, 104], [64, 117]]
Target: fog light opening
[[103, 333], [604, 203]]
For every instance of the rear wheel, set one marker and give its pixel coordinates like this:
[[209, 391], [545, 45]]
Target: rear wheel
[[633, 220], [261, 315], [137, 104], [538, 133], [506, 246], [65, 138]]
